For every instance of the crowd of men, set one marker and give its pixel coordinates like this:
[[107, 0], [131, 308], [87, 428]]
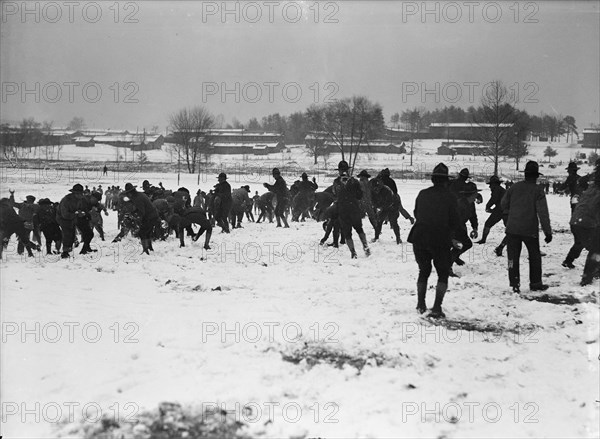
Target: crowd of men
[[439, 235]]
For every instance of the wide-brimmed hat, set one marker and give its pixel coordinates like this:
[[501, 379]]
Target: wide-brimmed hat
[[343, 165], [76, 188], [222, 175], [464, 172], [364, 173], [44, 201], [532, 168], [572, 167], [385, 172], [30, 198], [440, 170], [247, 187], [493, 180], [129, 188]]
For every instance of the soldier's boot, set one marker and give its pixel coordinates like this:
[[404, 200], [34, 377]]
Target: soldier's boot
[[150, 245], [285, 223], [350, 244], [486, 232], [440, 292], [207, 239], [498, 250], [421, 291], [145, 246], [396, 229], [365, 244]]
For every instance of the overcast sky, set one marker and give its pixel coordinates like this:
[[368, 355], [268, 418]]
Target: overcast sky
[[150, 59]]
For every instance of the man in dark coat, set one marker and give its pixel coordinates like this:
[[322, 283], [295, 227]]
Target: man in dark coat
[[388, 180], [84, 222], [576, 185], [265, 206], [436, 214], [388, 207], [458, 184], [526, 205], [70, 209], [572, 184], [147, 214], [305, 198], [466, 213], [222, 202], [239, 205], [48, 224], [279, 188], [11, 223], [366, 202], [493, 207], [348, 193], [585, 226], [28, 211], [323, 200], [331, 224]]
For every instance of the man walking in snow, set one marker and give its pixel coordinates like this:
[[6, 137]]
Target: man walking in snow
[[347, 191], [493, 207], [281, 192], [526, 205], [436, 214]]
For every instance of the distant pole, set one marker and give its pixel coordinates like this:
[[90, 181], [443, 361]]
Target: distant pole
[[178, 165]]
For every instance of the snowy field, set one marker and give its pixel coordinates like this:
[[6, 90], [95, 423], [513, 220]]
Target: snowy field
[[291, 338], [296, 156]]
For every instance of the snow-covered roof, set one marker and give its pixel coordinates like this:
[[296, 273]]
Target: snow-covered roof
[[469, 125], [591, 130], [243, 144], [82, 139]]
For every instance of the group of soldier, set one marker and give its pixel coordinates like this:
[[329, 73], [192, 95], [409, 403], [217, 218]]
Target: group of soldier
[[439, 234]]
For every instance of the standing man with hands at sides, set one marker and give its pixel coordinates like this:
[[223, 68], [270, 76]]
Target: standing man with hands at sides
[[437, 222], [526, 205]]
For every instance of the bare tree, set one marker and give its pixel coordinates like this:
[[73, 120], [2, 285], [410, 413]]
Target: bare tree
[[349, 123], [189, 128], [414, 119], [496, 120], [569, 122], [77, 123]]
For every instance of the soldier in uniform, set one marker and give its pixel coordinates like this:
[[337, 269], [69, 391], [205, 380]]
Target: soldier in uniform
[[281, 192], [436, 214], [222, 202], [348, 193], [147, 214]]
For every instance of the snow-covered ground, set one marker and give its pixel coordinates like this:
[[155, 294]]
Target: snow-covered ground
[[116, 333]]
